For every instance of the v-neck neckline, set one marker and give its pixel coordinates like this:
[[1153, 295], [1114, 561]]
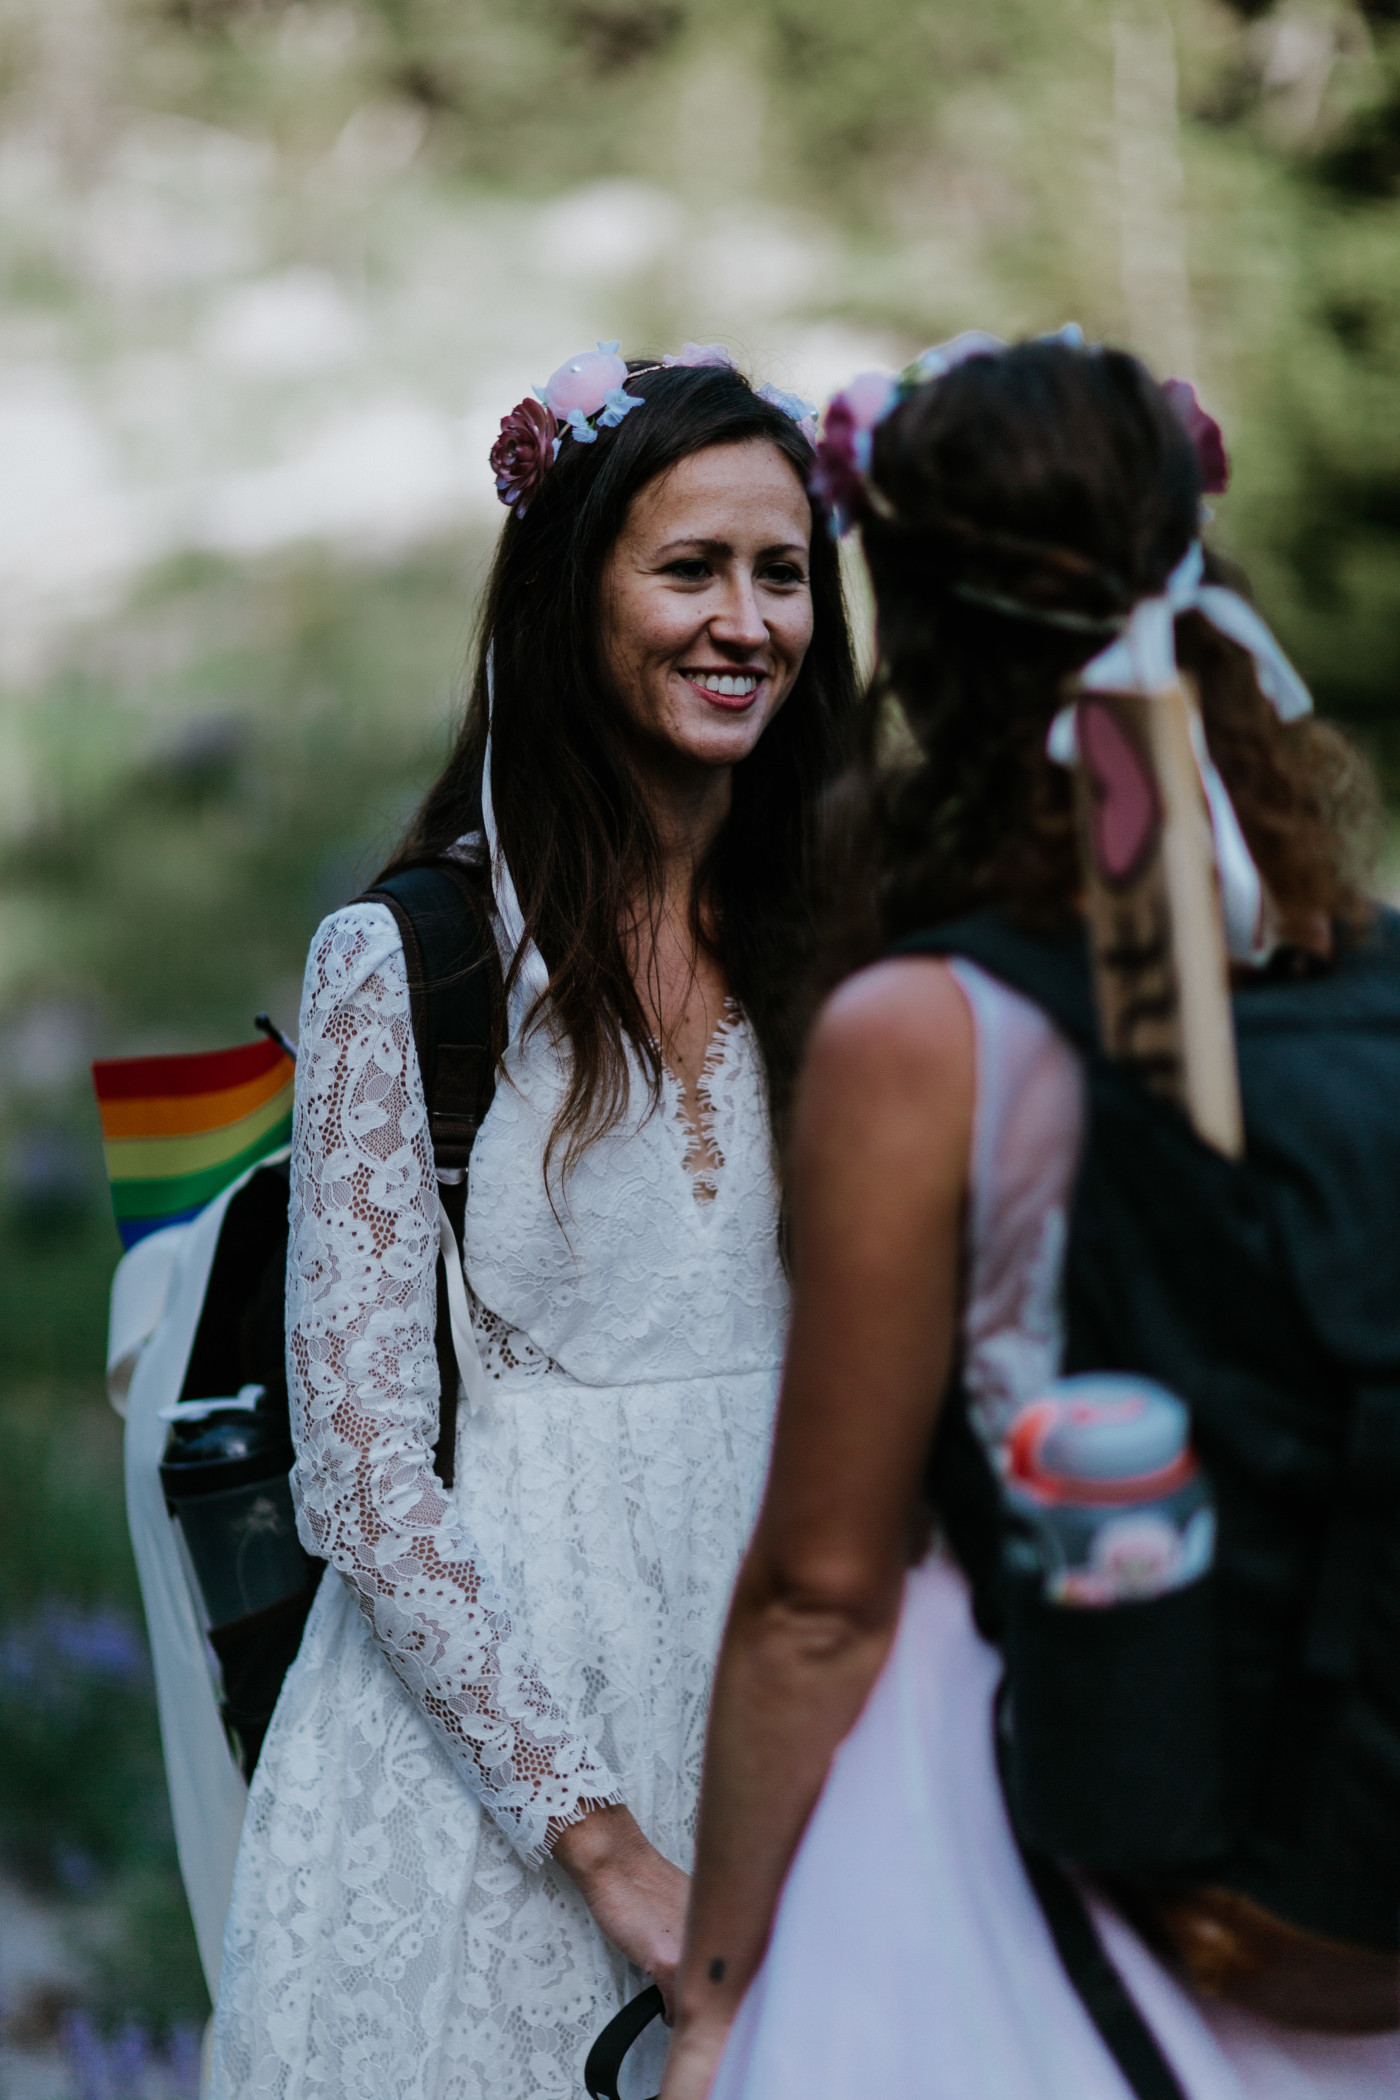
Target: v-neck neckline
[[697, 1138]]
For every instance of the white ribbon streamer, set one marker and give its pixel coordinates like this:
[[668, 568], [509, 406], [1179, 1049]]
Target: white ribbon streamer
[[470, 1367], [1143, 660], [533, 977], [531, 981], [1244, 901]]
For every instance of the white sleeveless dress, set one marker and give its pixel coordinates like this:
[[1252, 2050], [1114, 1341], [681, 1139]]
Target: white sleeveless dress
[[908, 1956], [480, 1663]]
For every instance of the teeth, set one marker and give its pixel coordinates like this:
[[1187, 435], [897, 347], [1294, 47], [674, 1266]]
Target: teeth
[[729, 687]]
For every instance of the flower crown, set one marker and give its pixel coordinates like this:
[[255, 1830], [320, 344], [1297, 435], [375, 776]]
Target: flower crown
[[588, 395], [841, 479]]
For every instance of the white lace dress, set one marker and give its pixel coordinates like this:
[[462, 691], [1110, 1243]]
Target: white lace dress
[[481, 1663]]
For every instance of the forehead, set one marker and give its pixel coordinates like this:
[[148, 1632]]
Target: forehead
[[727, 492]]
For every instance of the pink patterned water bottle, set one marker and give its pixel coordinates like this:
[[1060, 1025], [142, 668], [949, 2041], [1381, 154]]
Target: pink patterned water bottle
[[1107, 1499]]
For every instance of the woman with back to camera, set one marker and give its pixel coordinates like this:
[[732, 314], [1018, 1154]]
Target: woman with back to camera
[[467, 1831], [863, 1918]]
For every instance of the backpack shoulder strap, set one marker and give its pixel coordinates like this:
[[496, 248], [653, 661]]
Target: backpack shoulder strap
[[442, 909], [1050, 968]]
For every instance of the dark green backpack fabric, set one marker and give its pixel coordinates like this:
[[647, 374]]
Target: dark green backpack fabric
[[1266, 1293]]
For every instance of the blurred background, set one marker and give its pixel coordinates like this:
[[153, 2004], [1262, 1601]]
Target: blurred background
[[269, 276]]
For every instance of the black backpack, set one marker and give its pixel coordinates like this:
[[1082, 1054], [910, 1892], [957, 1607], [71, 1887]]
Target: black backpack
[[217, 1462], [1244, 1732]]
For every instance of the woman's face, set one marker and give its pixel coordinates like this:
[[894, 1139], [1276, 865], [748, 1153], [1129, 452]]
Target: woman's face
[[706, 602]]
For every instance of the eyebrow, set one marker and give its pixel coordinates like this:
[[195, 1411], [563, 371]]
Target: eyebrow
[[713, 546]]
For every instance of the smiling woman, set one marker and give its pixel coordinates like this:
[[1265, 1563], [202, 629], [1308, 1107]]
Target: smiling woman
[[708, 604], [648, 870], [469, 1828]]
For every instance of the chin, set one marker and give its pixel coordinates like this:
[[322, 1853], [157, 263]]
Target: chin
[[717, 738], [722, 746]]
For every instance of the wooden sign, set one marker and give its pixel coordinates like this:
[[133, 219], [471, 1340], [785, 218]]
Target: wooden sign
[[1161, 975]]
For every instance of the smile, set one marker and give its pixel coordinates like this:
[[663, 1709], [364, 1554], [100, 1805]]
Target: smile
[[726, 685]]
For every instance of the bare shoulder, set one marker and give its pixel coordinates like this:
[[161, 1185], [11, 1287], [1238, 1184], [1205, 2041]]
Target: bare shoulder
[[892, 1057], [903, 1022]]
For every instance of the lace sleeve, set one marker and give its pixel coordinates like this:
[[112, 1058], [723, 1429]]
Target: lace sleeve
[[364, 1390]]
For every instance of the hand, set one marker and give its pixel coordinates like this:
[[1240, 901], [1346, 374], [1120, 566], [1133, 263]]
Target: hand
[[637, 1898], [694, 2060]]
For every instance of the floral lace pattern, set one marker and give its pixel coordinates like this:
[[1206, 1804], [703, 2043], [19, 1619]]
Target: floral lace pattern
[[541, 1637], [361, 1307]]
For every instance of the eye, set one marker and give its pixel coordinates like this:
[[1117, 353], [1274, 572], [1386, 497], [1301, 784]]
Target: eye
[[783, 573], [692, 568]]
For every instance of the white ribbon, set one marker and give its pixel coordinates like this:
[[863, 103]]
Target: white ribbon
[[1143, 660], [533, 977], [470, 1368]]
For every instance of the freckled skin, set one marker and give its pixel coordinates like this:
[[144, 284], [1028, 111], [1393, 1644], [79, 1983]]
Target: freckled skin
[[709, 577], [709, 573]]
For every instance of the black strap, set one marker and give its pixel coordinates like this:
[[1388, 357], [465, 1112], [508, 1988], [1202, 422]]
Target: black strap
[[441, 908], [603, 2065], [1100, 1989], [961, 1487], [454, 980]]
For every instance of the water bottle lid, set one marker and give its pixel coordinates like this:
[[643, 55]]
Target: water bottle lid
[[1105, 1437], [216, 1445]]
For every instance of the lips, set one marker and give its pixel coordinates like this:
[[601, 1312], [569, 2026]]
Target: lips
[[732, 690]]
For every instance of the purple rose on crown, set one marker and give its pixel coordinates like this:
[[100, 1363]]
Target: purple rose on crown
[[1204, 432], [845, 445], [524, 453]]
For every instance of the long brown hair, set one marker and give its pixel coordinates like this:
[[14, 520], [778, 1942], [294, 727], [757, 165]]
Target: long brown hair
[[573, 822], [1060, 478]]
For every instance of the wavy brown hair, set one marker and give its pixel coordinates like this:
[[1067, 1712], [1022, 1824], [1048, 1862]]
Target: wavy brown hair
[[1057, 478], [572, 819]]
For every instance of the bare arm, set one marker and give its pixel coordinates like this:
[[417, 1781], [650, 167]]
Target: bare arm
[[880, 1151]]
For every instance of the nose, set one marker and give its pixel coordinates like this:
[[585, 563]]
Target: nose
[[738, 625]]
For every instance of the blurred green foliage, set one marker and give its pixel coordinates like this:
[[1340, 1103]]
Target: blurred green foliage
[[232, 764]]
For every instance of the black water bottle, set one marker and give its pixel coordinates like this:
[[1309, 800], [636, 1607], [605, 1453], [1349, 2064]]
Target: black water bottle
[[225, 1476], [224, 1471]]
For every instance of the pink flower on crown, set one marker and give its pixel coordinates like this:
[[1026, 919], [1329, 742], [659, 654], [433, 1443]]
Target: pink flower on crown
[[589, 394], [1204, 432], [701, 354], [845, 445], [582, 385], [523, 453]]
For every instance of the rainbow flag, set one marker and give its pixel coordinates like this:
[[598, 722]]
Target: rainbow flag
[[177, 1130]]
